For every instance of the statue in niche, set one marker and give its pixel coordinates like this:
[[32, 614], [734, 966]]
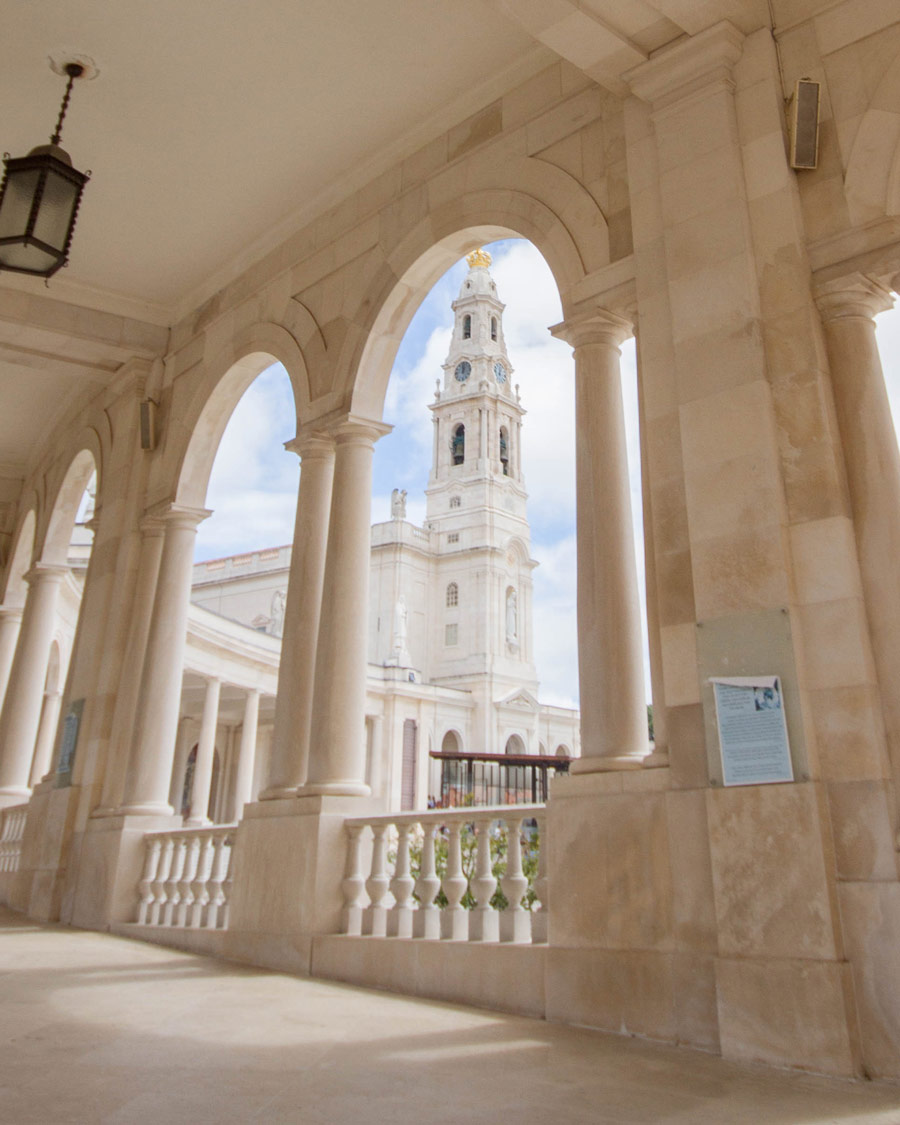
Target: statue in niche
[[398, 504], [276, 625], [512, 616]]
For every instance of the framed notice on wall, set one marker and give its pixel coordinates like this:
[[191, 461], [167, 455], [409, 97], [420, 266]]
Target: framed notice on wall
[[69, 743], [753, 738]]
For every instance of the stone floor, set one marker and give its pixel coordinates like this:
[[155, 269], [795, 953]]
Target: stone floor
[[95, 1028]]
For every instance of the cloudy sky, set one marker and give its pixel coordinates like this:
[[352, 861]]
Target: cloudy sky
[[254, 481]]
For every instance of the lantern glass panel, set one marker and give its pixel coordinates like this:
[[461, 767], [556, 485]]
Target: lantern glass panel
[[32, 259], [17, 200], [55, 215]]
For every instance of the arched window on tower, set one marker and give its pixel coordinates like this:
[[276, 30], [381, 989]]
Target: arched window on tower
[[458, 445], [467, 327], [452, 594], [493, 328], [455, 501], [504, 450]]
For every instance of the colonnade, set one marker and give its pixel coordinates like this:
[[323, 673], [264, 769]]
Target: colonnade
[[318, 743]]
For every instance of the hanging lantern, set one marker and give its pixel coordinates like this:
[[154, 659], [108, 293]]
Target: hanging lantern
[[39, 200]]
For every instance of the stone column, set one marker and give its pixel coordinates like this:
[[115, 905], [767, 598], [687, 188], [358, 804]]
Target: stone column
[[337, 755], [610, 656], [10, 622], [206, 750], [133, 663], [159, 700], [243, 780], [25, 691], [43, 747], [296, 672], [872, 462]]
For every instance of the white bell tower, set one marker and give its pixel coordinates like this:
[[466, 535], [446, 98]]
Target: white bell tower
[[476, 506]]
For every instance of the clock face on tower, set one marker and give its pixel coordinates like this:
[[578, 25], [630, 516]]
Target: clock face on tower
[[463, 371], [499, 372]]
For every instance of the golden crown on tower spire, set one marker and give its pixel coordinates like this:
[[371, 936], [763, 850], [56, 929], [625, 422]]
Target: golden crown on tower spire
[[478, 258]]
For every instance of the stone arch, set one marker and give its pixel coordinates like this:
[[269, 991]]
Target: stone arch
[[516, 548], [448, 232], [20, 561], [562, 751], [64, 507], [451, 743], [225, 379], [872, 179], [515, 744]]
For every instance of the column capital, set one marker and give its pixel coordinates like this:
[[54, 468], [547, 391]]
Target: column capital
[[692, 65], [171, 514], [853, 296], [600, 326], [355, 430], [311, 445], [45, 573]]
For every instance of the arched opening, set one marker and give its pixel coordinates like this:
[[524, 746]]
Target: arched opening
[[533, 621], [458, 444], [467, 327], [452, 595], [515, 745], [450, 743], [61, 581], [236, 466], [494, 328]]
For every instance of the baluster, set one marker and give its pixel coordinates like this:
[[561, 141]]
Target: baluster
[[540, 915], [427, 919], [455, 918], [160, 883], [484, 924], [227, 883], [400, 919], [186, 882], [199, 887], [353, 884], [515, 920], [377, 884], [216, 895], [145, 886], [173, 894]]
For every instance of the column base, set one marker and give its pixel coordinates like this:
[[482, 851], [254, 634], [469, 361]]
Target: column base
[[656, 760], [604, 765], [276, 793], [197, 822], [334, 789], [151, 808]]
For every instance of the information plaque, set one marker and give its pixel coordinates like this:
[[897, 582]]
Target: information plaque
[[753, 737]]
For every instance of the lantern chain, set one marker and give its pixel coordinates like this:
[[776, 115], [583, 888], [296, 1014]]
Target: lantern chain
[[74, 70]]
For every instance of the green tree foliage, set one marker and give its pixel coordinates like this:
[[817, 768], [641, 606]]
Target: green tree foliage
[[469, 849]]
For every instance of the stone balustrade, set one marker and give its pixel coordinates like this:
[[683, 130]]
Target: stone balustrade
[[12, 829], [186, 882], [470, 874]]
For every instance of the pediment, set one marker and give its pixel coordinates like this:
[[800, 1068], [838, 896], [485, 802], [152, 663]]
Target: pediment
[[521, 699]]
